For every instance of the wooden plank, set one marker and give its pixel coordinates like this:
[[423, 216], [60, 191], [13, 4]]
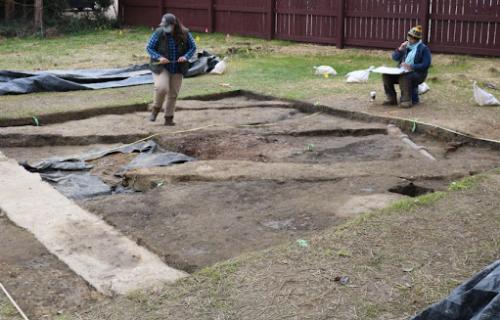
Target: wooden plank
[[271, 19], [307, 39], [372, 43], [466, 17], [199, 6], [340, 23], [465, 50], [211, 17], [424, 18], [357, 14], [233, 8], [304, 12]]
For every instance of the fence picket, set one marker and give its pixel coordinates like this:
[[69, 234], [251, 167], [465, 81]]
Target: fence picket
[[450, 26]]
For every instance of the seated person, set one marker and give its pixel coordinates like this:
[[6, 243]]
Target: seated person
[[415, 57]]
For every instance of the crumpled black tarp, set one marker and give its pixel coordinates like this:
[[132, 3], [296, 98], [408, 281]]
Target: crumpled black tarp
[[77, 185], [70, 175], [77, 163], [18, 82], [477, 299], [151, 160]]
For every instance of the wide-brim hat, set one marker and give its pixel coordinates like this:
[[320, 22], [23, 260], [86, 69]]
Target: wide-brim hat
[[416, 32]]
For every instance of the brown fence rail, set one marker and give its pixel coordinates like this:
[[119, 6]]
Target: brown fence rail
[[450, 26]]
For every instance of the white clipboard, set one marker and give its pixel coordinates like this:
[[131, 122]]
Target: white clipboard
[[390, 70]]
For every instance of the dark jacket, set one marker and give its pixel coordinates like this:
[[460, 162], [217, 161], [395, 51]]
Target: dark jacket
[[423, 59]]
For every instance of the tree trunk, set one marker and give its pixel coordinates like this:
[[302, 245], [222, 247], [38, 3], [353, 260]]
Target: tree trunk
[[38, 14], [9, 9], [25, 10]]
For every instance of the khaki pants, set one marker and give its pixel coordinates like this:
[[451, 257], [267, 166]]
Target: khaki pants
[[167, 87]]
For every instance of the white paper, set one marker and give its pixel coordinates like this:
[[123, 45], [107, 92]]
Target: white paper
[[389, 70]]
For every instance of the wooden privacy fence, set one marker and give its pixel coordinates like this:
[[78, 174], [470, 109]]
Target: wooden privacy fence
[[450, 26]]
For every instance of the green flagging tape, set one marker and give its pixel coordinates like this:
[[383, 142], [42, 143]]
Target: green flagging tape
[[36, 121], [414, 128]]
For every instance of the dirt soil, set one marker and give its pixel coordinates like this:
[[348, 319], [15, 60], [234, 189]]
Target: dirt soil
[[398, 262], [282, 176], [41, 284], [137, 124], [194, 225], [480, 122]]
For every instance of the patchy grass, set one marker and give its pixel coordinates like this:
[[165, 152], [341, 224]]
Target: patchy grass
[[219, 271], [105, 49], [100, 49], [7, 310], [466, 184], [413, 203], [398, 261]]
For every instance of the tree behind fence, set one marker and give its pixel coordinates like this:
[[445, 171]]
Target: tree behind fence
[[450, 26]]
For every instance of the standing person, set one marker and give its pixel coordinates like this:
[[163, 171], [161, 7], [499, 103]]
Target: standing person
[[170, 47], [415, 57]]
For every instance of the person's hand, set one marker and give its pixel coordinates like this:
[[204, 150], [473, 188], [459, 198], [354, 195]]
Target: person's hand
[[182, 60], [407, 66], [163, 61], [403, 46]]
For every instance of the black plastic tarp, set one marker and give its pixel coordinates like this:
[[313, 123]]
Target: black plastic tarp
[[21, 82], [77, 185], [151, 160], [70, 175], [476, 299], [78, 163]]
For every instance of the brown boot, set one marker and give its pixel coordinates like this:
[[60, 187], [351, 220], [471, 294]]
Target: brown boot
[[405, 104], [169, 121], [389, 102], [153, 116]]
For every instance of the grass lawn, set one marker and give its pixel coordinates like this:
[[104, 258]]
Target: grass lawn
[[278, 68]]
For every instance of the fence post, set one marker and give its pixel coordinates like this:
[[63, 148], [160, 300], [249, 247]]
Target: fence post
[[211, 16], [9, 7], [424, 18], [122, 7], [271, 21], [340, 23], [39, 15], [161, 4]]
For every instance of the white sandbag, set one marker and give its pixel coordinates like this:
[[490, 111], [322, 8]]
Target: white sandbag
[[322, 70], [359, 75], [220, 67], [484, 98], [423, 88]]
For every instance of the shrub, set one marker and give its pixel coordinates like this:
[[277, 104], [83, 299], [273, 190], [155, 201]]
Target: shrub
[[57, 19]]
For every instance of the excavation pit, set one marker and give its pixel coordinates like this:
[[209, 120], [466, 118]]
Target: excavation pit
[[266, 173]]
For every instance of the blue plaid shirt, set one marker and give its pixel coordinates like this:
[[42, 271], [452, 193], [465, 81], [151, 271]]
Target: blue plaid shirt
[[173, 55]]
